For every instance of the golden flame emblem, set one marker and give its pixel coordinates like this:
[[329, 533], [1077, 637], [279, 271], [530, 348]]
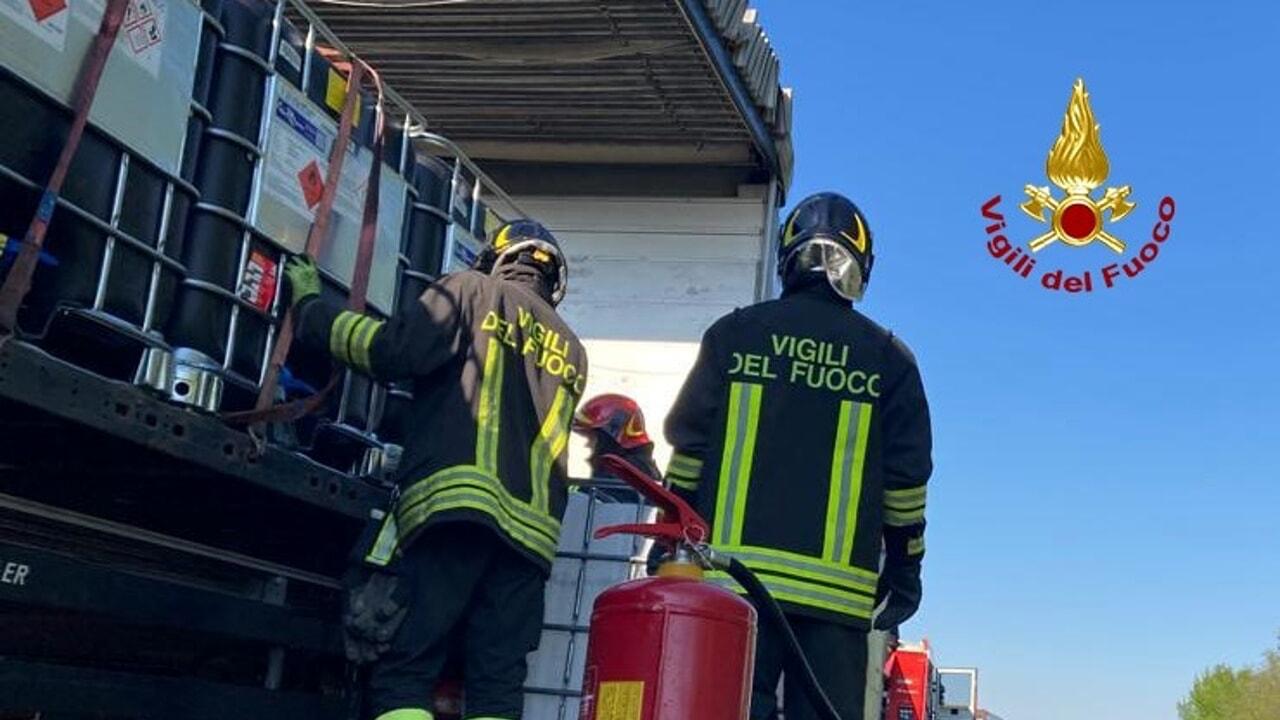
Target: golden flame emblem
[[1078, 164]]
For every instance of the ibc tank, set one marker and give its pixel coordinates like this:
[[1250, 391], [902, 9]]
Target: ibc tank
[[221, 319], [420, 262], [109, 267]]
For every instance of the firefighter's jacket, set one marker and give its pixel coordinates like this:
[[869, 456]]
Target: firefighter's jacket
[[496, 377], [802, 435]]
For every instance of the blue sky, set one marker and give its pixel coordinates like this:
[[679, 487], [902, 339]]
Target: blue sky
[[1105, 514]]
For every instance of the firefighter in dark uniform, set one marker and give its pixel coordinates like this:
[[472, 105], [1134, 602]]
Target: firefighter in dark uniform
[[496, 377], [614, 425], [802, 434]]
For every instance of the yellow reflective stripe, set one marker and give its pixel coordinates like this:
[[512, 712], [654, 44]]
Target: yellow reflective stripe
[[384, 546], [362, 340], [845, 492], [735, 464], [802, 593], [488, 415], [837, 489], [551, 441], [340, 336], [854, 480], [467, 499], [915, 546], [684, 466], [682, 474], [905, 499], [804, 566], [681, 483], [469, 476], [406, 714], [898, 518], [477, 496]]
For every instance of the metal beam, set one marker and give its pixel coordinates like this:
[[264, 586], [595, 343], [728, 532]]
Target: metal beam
[[54, 689], [35, 378], [712, 44]]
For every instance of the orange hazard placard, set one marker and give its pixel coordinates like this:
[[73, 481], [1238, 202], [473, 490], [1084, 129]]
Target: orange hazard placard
[[45, 9], [620, 700], [312, 183]]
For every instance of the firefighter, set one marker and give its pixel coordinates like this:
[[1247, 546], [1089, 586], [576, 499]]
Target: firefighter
[[802, 434], [496, 377], [614, 425]]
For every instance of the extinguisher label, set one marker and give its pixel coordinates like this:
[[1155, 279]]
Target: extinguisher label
[[620, 700], [258, 285]]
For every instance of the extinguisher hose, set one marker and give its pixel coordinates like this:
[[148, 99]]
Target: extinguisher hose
[[798, 663]]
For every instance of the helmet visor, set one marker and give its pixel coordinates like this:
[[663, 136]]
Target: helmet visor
[[835, 261]]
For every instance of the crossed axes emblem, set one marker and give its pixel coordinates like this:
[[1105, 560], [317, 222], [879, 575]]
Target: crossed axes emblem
[[1077, 219]]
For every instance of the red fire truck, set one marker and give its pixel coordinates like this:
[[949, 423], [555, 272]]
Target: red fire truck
[[917, 689]]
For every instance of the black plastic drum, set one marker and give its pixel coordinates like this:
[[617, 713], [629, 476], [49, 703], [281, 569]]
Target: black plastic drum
[[422, 259], [101, 288], [222, 316]]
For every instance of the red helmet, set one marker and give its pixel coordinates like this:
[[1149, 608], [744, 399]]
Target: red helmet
[[615, 415]]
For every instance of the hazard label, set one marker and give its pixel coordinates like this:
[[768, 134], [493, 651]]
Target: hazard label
[[142, 34], [312, 183], [45, 9], [44, 19], [620, 700], [141, 25], [258, 284]]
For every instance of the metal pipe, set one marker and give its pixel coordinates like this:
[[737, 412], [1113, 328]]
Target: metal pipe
[[309, 47], [108, 253], [148, 317]]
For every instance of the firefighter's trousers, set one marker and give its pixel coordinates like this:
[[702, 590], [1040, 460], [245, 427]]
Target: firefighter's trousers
[[838, 655], [467, 584]]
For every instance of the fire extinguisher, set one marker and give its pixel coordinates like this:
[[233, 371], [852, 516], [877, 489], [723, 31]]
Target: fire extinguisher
[[673, 647]]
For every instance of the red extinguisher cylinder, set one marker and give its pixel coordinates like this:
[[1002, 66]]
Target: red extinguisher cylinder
[[669, 648]]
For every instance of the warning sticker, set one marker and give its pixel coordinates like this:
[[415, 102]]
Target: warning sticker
[[45, 9], [465, 251], [312, 183], [299, 141], [258, 285], [620, 700], [143, 33], [290, 54], [46, 19]]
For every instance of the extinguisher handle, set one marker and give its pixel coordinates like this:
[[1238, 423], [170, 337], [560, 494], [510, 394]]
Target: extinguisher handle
[[679, 523]]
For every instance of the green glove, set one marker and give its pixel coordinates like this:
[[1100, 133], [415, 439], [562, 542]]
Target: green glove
[[303, 278]]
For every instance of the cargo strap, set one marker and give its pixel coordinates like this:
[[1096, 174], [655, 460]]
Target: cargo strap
[[18, 282], [264, 411]]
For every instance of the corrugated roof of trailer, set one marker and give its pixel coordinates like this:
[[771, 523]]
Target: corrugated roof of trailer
[[610, 81]]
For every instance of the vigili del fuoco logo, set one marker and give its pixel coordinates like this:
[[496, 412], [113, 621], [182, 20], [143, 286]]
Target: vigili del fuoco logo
[[1078, 165]]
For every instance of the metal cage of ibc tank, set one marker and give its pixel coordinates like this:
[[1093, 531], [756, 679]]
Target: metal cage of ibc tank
[[237, 355], [111, 262], [449, 216], [175, 256], [585, 566]]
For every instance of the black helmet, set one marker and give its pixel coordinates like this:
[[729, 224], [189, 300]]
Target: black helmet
[[529, 243], [826, 233]]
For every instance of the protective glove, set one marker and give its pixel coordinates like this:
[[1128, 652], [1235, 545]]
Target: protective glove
[[302, 277], [899, 592], [374, 612]]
